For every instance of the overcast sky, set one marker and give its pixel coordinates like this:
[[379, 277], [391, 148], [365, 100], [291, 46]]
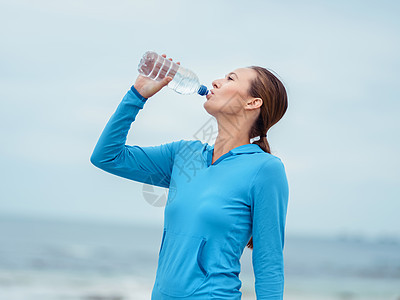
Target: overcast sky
[[65, 66]]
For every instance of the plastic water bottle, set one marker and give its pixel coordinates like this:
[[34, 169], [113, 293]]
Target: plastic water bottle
[[183, 81]]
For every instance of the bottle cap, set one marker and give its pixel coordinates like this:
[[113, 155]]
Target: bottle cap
[[203, 90]]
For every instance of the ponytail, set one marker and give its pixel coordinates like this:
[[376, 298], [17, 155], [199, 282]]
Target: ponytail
[[271, 90]]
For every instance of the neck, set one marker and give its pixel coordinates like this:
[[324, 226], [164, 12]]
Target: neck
[[229, 139]]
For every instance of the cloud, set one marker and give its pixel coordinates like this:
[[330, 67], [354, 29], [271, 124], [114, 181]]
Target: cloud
[[66, 66]]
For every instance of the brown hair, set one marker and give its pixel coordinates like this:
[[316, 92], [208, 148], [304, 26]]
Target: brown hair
[[271, 90]]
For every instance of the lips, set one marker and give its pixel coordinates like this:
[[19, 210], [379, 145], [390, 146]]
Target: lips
[[210, 94]]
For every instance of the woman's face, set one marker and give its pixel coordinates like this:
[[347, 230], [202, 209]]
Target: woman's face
[[229, 94]]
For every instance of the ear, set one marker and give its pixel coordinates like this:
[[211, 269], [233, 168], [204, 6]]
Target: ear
[[254, 103]]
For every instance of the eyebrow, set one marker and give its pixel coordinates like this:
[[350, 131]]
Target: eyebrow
[[232, 73]]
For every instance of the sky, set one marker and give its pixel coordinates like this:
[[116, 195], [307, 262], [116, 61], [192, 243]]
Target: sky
[[66, 65]]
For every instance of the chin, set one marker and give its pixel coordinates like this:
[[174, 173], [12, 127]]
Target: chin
[[209, 108]]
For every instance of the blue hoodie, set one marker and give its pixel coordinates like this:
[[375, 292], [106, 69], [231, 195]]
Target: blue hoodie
[[211, 212]]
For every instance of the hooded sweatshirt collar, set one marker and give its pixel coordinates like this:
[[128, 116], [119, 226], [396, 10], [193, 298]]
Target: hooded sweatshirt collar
[[243, 149], [247, 148]]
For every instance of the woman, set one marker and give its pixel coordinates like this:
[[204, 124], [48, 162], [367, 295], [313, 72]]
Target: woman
[[225, 196]]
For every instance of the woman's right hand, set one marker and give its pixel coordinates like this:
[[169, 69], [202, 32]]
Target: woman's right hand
[[147, 87]]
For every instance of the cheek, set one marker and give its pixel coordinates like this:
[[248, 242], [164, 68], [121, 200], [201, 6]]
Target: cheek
[[232, 97], [232, 91]]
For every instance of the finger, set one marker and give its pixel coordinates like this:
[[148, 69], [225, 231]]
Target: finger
[[166, 80]]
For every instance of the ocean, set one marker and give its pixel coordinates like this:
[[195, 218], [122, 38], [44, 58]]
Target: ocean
[[69, 260]]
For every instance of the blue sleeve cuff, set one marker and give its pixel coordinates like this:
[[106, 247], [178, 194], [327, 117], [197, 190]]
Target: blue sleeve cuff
[[138, 95]]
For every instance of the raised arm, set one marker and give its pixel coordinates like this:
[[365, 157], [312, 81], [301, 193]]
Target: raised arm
[[269, 195], [152, 165]]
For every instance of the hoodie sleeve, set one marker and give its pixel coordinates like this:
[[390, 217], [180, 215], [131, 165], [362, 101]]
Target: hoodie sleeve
[[151, 165], [269, 196]]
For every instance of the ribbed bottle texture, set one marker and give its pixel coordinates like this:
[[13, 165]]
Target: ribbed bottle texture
[[183, 81]]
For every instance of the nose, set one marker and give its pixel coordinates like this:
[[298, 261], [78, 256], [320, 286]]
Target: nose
[[215, 84]]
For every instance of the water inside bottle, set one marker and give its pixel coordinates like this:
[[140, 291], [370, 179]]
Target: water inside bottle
[[157, 67]]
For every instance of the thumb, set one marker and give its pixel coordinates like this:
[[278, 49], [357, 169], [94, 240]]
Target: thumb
[[167, 80]]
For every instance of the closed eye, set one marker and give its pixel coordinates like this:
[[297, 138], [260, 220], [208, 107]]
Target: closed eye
[[229, 77]]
